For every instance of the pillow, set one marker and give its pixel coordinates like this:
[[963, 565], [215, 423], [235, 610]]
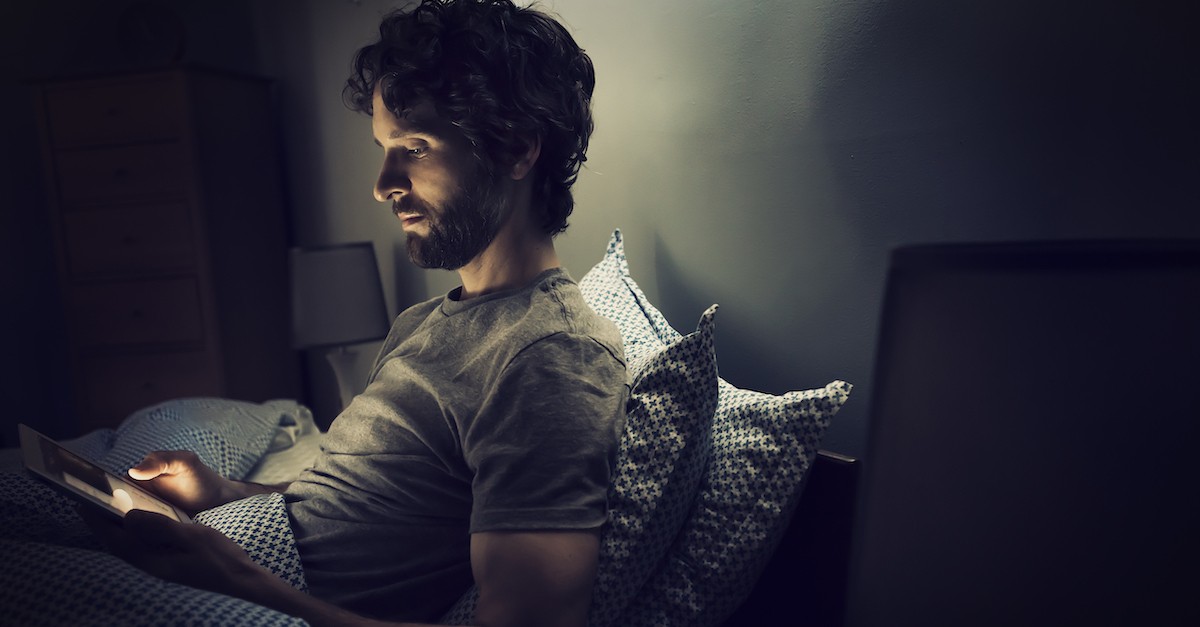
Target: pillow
[[611, 292], [229, 436], [762, 448], [659, 465]]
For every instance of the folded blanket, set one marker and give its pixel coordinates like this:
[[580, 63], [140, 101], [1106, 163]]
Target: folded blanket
[[56, 573]]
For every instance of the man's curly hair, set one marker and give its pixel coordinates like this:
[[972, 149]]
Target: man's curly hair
[[501, 74]]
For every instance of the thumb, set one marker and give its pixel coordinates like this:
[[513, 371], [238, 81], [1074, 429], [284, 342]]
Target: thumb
[[147, 469], [155, 464]]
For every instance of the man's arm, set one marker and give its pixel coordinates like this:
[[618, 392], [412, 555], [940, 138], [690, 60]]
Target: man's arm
[[524, 578], [534, 577]]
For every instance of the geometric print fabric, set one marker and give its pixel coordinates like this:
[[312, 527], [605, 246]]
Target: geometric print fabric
[[659, 466], [762, 449], [55, 572], [762, 446], [260, 525]]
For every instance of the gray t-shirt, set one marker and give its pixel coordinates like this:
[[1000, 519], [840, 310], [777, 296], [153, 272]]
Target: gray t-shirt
[[501, 412]]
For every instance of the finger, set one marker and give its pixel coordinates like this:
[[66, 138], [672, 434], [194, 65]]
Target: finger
[[151, 466], [157, 463]]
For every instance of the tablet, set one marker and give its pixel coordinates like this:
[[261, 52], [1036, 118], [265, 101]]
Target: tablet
[[87, 482]]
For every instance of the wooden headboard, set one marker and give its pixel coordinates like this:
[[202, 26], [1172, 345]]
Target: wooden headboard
[[805, 581]]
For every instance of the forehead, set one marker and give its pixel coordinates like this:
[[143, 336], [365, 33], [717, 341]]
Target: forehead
[[421, 119]]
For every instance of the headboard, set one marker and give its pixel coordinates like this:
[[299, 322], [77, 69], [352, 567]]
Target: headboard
[[805, 581]]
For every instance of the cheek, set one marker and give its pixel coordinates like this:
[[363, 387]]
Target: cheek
[[441, 185]]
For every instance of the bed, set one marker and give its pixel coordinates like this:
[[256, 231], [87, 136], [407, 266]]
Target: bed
[[701, 503]]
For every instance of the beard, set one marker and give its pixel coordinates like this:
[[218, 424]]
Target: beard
[[461, 228]]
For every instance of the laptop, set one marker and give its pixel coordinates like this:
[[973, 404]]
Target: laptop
[[1034, 445]]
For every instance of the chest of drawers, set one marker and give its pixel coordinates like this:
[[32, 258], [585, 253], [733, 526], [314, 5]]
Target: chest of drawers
[[167, 207]]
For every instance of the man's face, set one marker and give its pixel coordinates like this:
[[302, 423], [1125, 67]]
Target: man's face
[[449, 207]]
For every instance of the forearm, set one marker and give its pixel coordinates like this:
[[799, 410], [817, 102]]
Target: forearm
[[270, 591], [236, 490], [252, 488]]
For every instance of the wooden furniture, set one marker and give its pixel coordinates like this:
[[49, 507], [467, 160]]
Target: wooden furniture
[[165, 194], [805, 582]]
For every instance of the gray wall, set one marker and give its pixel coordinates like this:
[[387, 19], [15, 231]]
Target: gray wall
[[767, 155], [762, 155]]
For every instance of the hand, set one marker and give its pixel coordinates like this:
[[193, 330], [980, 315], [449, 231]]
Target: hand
[[199, 556], [181, 478], [189, 554]]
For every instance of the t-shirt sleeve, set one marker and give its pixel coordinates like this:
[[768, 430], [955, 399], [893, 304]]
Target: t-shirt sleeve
[[544, 443]]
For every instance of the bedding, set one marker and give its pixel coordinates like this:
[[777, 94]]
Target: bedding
[[761, 447], [56, 574]]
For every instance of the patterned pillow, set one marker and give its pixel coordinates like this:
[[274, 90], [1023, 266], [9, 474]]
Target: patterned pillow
[[659, 465], [260, 525], [610, 290], [229, 436], [762, 447]]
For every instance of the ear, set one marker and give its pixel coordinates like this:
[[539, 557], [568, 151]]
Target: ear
[[527, 153]]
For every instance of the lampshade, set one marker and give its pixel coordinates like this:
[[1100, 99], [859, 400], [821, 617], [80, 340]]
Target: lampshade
[[337, 297]]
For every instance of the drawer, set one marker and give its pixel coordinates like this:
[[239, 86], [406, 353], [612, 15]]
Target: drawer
[[129, 239], [115, 386], [89, 114], [164, 311], [120, 174]]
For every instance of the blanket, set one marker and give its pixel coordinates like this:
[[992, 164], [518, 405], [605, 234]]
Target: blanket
[[56, 573]]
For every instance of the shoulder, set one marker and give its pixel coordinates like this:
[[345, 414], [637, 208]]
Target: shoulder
[[568, 319], [409, 321]]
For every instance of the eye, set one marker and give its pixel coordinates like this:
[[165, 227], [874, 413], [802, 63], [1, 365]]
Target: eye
[[418, 151]]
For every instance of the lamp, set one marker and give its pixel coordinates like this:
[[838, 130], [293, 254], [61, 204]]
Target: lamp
[[337, 299]]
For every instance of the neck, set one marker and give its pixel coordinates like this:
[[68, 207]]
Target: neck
[[518, 254]]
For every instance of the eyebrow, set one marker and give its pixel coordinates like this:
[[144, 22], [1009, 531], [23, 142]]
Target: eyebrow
[[413, 127]]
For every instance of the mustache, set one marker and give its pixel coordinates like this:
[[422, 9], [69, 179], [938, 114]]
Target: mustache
[[408, 205]]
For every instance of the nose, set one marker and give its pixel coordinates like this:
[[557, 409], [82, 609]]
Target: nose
[[392, 182]]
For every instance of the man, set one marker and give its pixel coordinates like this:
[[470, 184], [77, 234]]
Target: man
[[482, 446]]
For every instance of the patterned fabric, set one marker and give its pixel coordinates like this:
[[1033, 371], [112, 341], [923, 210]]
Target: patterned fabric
[[610, 290], [762, 447], [229, 436], [52, 585], [659, 466], [661, 461], [54, 571], [259, 524]]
